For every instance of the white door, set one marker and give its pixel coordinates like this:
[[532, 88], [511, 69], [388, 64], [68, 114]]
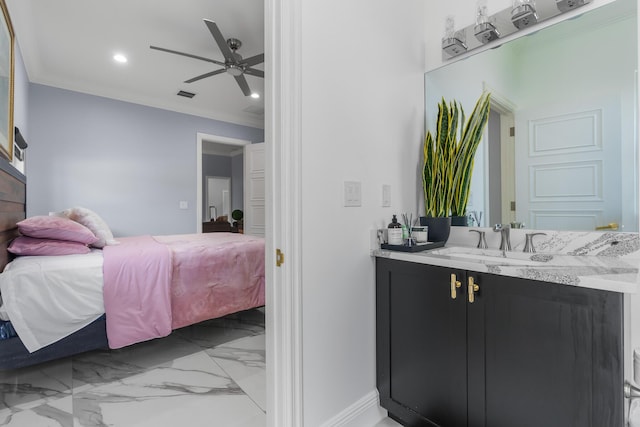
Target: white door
[[567, 161], [254, 189]]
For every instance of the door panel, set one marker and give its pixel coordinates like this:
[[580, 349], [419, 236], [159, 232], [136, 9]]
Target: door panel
[[567, 164], [254, 191], [543, 353], [426, 375]]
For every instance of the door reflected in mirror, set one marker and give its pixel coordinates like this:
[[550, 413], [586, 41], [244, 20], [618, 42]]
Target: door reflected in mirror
[[560, 148]]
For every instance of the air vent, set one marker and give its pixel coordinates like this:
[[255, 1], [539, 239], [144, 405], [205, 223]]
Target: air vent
[[186, 94]]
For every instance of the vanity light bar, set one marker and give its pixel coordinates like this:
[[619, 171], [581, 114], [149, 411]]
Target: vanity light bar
[[567, 5], [453, 46], [504, 23], [524, 16], [486, 32]]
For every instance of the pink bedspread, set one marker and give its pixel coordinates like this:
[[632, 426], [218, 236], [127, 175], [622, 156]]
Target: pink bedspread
[[214, 274], [137, 296], [155, 284]]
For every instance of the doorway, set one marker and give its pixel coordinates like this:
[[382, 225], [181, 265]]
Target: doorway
[[499, 185], [501, 207], [223, 146]]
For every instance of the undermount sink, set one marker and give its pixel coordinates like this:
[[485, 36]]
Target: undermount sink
[[498, 259], [487, 255]]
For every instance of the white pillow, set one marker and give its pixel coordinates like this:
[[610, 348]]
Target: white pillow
[[93, 222]]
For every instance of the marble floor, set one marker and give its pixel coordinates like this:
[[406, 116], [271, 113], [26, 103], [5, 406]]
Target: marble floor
[[209, 374]]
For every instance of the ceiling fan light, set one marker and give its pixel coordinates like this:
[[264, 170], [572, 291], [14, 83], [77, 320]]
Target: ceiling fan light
[[255, 95], [234, 70], [118, 57]]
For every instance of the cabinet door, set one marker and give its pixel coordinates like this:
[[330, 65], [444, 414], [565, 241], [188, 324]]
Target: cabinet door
[[423, 382], [543, 354]]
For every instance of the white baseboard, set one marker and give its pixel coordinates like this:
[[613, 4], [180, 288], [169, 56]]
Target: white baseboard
[[366, 412]]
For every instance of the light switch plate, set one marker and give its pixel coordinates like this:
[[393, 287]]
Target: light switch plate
[[183, 205], [386, 196], [352, 193]]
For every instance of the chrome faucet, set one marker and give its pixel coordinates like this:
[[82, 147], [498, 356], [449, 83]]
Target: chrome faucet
[[528, 244], [505, 240], [482, 242]]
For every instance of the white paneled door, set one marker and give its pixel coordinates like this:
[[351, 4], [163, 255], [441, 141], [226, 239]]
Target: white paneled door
[[568, 165], [254, 189]]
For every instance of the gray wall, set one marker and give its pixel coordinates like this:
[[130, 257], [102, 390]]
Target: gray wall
[[130, 163], [214, 165]]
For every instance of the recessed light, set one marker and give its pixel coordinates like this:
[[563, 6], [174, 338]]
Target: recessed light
[[255, 95], [118, 57]]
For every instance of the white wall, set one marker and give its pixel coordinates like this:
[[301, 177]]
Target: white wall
[[362, 120]]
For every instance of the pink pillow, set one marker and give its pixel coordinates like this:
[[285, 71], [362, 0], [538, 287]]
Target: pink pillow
[[57, 228], [23, 245]]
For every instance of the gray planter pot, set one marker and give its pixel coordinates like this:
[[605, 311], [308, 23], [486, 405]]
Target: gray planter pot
[[439, 227]]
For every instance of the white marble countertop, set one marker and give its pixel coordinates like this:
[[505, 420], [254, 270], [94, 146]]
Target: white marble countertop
[[606, 261]]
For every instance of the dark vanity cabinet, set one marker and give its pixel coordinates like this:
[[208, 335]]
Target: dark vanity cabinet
[[458, 348]]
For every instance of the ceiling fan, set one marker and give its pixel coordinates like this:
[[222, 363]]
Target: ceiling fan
[[233, 63]]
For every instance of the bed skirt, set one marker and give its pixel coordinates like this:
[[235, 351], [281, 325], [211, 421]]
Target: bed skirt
[[14, 355]]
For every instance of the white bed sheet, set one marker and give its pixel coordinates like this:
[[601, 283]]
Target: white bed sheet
[[50, 297]]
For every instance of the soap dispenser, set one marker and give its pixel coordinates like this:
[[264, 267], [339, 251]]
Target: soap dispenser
[[394, 232]]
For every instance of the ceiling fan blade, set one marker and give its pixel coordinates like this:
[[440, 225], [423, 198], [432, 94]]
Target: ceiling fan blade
[[253, 60], [205, 75], [254, 72], [242, 82], [187, 55], [220, 41]]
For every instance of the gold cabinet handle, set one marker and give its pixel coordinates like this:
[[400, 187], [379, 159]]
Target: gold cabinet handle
[[610, 226], [472, 289], [455, 284]]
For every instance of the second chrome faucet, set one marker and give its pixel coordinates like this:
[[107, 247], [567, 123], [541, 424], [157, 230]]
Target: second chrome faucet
[[505, 241]]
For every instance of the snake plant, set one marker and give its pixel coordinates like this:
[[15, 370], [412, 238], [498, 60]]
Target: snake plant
[[448, 157]]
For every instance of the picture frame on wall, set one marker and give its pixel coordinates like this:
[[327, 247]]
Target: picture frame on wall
[[6, 83]]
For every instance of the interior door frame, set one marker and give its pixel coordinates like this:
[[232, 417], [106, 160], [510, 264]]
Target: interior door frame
[[202, 138], [283, 200]]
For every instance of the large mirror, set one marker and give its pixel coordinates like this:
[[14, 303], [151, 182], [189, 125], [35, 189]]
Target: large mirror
[[560, 150]]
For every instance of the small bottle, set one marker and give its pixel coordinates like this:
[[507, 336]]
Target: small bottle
[[394, 232]]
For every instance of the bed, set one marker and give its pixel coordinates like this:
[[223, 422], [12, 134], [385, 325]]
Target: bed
[[132, 290]]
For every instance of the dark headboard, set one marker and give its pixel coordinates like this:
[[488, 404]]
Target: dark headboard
[[13, 192]]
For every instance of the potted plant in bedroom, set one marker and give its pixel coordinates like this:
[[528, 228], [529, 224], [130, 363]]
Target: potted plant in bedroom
[[448, 164], [238, 223]]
